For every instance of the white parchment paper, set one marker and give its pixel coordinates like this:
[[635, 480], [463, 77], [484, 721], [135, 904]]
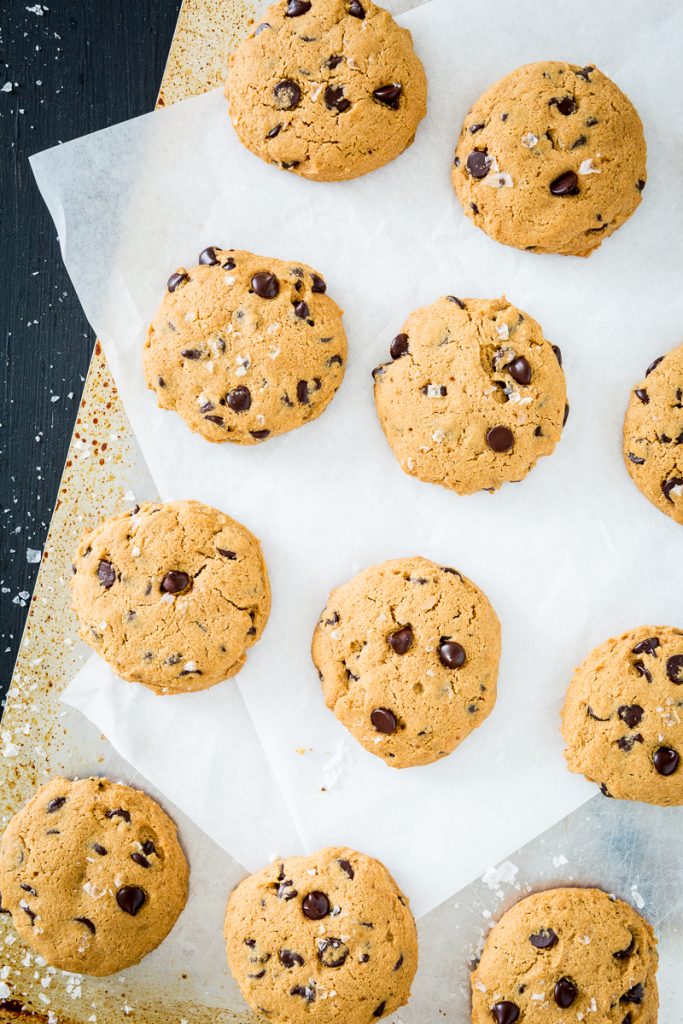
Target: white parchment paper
[[569, 556]]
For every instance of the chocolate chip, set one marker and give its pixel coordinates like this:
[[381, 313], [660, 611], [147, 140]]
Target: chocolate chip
[[591, 714], [265, 285], [288, 958], [520, 370], [581, 141], [640, 668], [295, 8], [335, 359], [474, 128], [287, 97], [545, 939], [626, 743], [634, 995], [302, 392], [478, 163], [307, 992], [356, 9], [346, 867], [379, 1010], [590, 122], [505, 1012], [474, 208], [669, 485], [558, 353], [389, 95], [624, 954], [148, 847], [232, 555], [239, 399], [140, 859], [451, 654], [604, 790], [208, 256], [566, 414], [130, 899], [585, 73], [384, 721], [640, 184], [218, 420], [566, 184], [674, 669], [29, 913], [566, 105], [642, 394], [260, 435], [261, 28], [106, 574], [29, 889], [565, 993], [456, 301], [665, 760], [399, 346], [318, 287], [332, 952], [274, 132], [635, 459], [500, 439], [334, 99], [632, 714], [647, 646], [119, 812], [175, 280], [101, 850], [55, 804], [402, 640], [301, 309], [334, 61], [653, 366], [315, 906], [175, 582]]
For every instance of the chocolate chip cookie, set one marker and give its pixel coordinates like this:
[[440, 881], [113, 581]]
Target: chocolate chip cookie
[[653, 434], [171, 595], [567, 955], [245, 347], [623, 716], [328, 937], [328, 89], [551, 159], [407, 653], [93, 875], [474, 394]]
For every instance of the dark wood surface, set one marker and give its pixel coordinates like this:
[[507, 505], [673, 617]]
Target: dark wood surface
[[74, 66]]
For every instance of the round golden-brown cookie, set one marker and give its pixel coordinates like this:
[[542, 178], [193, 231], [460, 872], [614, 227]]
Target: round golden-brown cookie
[[653, 434], [93, 875], [328, 89], [474, 394], [623, 716], [245, 347], [567, 955], [407, 653], [551, 159], [326, 938], [171, 595]]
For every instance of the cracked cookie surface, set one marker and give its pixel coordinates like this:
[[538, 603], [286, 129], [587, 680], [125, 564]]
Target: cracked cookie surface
[[567, 955], [551, 159], [407, 653], [245, 347], [474, 394], [623, 716], [93, 875], [653, 434], [171, 595], [328, 937], [328, 89]]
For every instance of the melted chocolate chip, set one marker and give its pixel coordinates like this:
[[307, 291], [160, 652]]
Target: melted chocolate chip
[[624, 954], [208, 256], [384, 721], [399, 346], [356, 9], [647, 646], [478, 163], [175, 280], [130, 899], [265, 285], [332, 952], [295, 8], [287, 96], [175, 582], [55, 804], [626, 743], [346, 868], [389, 95], [665, 760], [566, 105], [642, 394], [335, 100], [119, 812], [520, 370], [288, 958], [565, 993], [315, 906], [505, 1012], [239, 399], [87, 922], [674, 669], [632, 714], [500, 439], [545, 939], [585, 73], [401, 640], [451, 654], [106, 574], [566, 184]]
